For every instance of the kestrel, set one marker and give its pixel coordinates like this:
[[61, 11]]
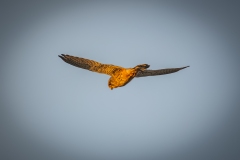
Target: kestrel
[[119, 76]]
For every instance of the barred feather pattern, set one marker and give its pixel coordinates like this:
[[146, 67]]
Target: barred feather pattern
[[119, 76], [91, 65], [158, 72]]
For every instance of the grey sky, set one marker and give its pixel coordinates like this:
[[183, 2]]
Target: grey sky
[[54, 110]]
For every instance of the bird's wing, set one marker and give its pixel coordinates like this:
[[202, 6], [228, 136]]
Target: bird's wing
[[158, 72], [90, 64]]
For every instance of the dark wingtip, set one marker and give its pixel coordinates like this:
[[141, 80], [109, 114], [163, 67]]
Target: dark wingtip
[[62, 56]]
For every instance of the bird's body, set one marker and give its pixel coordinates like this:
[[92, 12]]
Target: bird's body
[[122, 78], [119, 76]]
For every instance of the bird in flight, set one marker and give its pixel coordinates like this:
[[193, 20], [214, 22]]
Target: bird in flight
[[119, 76]]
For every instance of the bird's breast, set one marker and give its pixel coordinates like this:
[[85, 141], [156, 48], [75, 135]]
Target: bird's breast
[[126, 76], [122, 78]]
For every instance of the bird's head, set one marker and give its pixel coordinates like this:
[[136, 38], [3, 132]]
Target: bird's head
[[141, 67]]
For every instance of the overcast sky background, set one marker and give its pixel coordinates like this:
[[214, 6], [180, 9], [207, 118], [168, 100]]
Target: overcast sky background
[[52, 110]]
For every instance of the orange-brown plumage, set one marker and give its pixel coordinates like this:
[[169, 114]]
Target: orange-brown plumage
[[119, 76]]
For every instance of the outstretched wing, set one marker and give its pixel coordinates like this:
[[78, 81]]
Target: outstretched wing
[[158, 72], [90, 64]]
